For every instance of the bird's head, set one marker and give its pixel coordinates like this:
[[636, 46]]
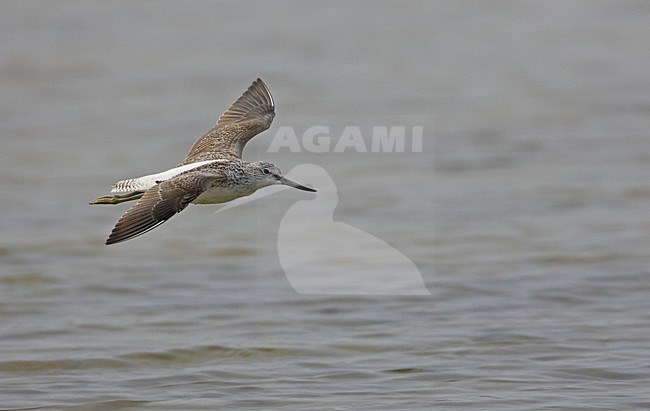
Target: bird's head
[[269, 174]]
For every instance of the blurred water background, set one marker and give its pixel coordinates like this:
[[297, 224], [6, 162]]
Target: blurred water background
[[526, 212]]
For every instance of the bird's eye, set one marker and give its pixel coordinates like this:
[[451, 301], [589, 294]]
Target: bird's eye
[[266, 171]]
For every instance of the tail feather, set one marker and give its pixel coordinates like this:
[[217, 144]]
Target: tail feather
[[133, 184]]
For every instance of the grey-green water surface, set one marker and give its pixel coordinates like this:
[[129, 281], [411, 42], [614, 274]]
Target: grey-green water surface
[[526, 212]]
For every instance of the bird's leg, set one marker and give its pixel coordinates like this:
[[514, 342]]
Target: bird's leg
[[118, 198]]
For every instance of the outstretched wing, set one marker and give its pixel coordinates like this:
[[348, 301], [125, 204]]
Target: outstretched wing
[[256, 102], [159, 204], [251, 114]]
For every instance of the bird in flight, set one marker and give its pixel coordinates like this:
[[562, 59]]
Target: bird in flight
[[212, 172]]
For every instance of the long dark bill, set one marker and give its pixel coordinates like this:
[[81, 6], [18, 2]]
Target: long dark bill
[[287, 182]]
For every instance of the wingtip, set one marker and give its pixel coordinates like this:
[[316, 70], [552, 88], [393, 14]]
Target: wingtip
[[113, 238], [260, 83], [256, 101]]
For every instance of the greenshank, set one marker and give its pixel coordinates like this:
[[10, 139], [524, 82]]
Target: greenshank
[[212, 172]]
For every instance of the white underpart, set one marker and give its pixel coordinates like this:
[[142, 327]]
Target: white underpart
[[146, 182]]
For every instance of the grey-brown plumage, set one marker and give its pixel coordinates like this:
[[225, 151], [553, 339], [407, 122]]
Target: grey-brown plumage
[[251, 114], [159, 204], [212, 172]]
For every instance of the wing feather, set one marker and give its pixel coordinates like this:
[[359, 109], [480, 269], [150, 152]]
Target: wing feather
[[255, 102], [251, 114], [160, 203]]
